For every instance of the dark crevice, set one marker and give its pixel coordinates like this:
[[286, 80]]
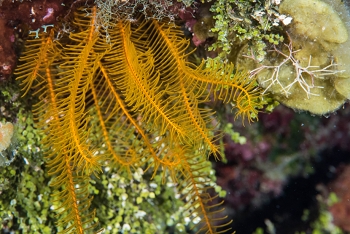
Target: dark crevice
[[285, 211]]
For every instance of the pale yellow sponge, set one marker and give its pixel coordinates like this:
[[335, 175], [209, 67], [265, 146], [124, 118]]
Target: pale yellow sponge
[[6, 133], [316, 20]]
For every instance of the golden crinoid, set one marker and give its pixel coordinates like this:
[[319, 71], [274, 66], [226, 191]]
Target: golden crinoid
[[144, 100]]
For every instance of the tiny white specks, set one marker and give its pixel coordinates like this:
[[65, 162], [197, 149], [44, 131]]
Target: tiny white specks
[[49, 13], [126, 227], [32, 11], [287, 20]]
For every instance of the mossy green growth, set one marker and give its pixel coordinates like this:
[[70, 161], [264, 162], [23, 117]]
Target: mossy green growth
[[24, 190], [254, 23], [128, 204], [139, 204]]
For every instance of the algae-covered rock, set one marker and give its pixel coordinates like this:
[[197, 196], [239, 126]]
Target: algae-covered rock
[[312, 70]]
